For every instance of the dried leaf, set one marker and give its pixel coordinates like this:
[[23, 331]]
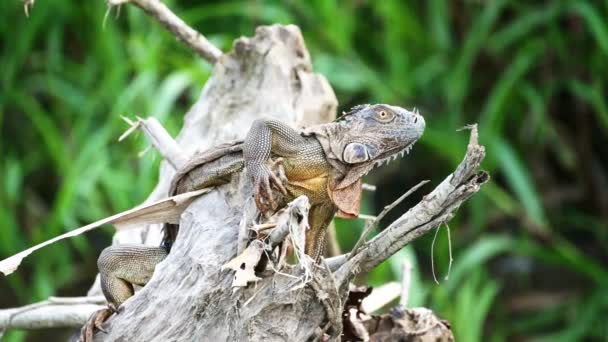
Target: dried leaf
[[166, 210], [244, 264], [416, 325]]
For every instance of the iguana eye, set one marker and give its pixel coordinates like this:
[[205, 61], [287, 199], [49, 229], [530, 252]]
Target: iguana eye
[[384, 116]]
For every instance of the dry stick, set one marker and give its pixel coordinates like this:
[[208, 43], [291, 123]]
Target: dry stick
[[67, 311], [381, 296], [433, 256], [366, 217], [195, 40], [368, 187], [27, 6], [406, 280], [159, 138], [77, 300], [370, 226], [447, 227]]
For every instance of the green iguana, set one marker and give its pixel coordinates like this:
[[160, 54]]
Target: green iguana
[[324, 162]]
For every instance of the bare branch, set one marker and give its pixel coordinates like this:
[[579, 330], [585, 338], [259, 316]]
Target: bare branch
[[159, 138], [373, 224], [52, 313], [195, 40], [155, 8]]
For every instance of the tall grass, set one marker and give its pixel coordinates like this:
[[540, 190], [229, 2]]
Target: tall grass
[[530, 250]]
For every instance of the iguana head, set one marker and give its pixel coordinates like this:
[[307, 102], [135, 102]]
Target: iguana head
[[368, 136]]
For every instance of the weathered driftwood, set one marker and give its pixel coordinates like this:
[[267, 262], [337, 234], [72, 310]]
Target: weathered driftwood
[[191, 288]]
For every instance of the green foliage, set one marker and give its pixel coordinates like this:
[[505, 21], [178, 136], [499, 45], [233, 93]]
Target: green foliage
[[532, 74]]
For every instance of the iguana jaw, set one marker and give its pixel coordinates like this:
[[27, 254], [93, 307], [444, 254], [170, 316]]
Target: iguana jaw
[[357, 171]]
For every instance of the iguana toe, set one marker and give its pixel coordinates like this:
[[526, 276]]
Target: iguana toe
[[264, 184], [87, 333]]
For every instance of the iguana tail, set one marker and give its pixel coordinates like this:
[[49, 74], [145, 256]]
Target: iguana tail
[[207, 169]]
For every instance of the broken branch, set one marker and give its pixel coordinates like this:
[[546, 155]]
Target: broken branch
[[373, 224], [52, 313], [159, 138], [194, 39]]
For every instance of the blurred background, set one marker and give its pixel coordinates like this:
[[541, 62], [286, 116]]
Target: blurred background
[[530, 251]]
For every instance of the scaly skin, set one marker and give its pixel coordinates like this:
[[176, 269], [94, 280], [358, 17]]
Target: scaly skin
[[325, 163], [306, 169]]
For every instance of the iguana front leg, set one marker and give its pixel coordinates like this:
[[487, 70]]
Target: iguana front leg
[[267, 137]]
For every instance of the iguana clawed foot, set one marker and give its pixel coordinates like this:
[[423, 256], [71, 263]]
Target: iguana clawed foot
[[264, 181], [95, 322]]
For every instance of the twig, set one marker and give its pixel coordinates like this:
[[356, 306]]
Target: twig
[[159, 138], [381, 296], [262, 227], [165, 210], [155, 8], [51, 313], [406, 280], [286, 219], [368, 187], [77, 300], [433, 255], [322, 285], [195, 40], [373, 224], [447, 227], [333, 280], [366, 217], [27, 6]]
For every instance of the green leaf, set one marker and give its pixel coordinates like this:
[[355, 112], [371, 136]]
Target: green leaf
[[595, 23], [519, 180]]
